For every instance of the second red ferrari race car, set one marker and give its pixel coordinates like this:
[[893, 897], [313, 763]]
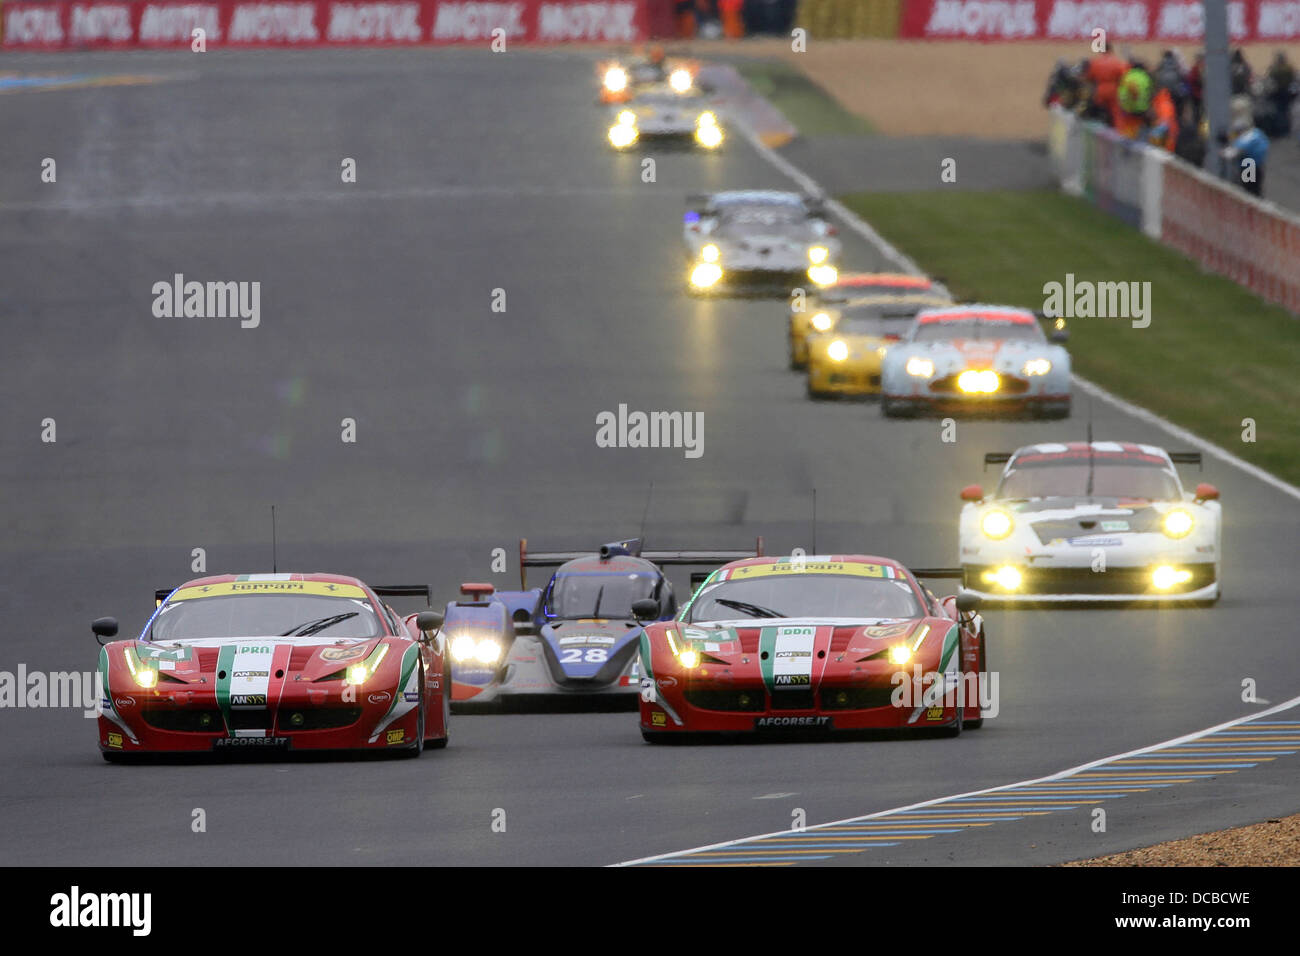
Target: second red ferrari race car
[[839, 642]]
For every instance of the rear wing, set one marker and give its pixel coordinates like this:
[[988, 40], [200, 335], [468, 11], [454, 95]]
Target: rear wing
[[996, 458], [405, 590], [631, 546], [1187, 458]]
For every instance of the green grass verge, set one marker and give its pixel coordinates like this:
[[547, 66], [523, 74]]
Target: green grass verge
[[810, 108], [1213, 355]]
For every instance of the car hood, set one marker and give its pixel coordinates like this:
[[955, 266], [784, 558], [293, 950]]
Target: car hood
[[310, 657]]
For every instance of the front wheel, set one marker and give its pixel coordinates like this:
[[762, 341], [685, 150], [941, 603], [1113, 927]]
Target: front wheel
[[892, 407], [445, 739], [418, 746], [978, 722]]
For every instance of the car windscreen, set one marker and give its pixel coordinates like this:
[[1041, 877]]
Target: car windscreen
[[265, 615], [749, 218], [989, 329], [803, 594], [601, 594], [1068, 478]]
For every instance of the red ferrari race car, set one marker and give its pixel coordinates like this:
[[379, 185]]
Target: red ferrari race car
[[275, 662], [840, 642]]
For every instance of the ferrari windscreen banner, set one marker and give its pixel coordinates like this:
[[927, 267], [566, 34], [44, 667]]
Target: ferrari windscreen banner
[[1174, 21], [61, 24]]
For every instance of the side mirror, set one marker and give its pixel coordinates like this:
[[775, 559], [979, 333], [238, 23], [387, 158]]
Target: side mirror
[[104, 627], [428, 621], [967, 601], [646, 609], [972, 493], [1206, 492], [1058, 336]]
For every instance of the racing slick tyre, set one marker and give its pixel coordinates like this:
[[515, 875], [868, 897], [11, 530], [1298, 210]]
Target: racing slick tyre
[[445, 739], [418, 746], [817, 395], [795, 364], [892, 407], [955, 728], [978, 722]]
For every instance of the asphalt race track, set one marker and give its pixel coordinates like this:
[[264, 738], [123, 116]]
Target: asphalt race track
[[481, 171]]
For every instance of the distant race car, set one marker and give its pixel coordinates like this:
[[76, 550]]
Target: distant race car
[[575, 636], [275, 662], [845, 352], [620, 80], [1091, 521], [817, 310], [761, 241], [662, 116], [977, 357], [839, 642]]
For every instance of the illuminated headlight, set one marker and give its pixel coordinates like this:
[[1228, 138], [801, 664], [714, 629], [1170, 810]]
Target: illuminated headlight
[[920, 367], [1166, 577], [1178, 523], [709, 253], [818, 254], [706, 275], [823, 274], [463, 647], [1005, 577], [1040, 366], [707, 118], [680, 80], [358, 674], [821, 321], [996, 525], [982, 381], [143, 675], [899, 655], [838, 350], [689, 658], [622, 135], [616, 79], [709, 136], [626, 118], [488, 652]]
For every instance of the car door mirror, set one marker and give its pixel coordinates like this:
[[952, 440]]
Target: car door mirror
[[967, 601], [972, 493], [104, 627], [646, 609], [1206, 492], [428, 621]]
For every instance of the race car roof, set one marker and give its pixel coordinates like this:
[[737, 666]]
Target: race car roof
[[813, 564], [279, 583], [594, 564], [964, 313]]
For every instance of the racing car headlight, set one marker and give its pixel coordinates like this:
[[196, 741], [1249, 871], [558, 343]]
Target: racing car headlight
[[616, 79], [705, 275], [821, 321], [709, 136], [143, 675], [362, 671], [920, 367], [626, 118], [463, 647], [1038, 366], [900, 654], [689, 658], [823, 274], [981, 381], [358, 674], [1178, 523], [621, 135], [680, 80], [707, 118], [488, 651], [996, 525], [709, 253], [818, 254], [1005, 577], [1166, 577], [838, 350]]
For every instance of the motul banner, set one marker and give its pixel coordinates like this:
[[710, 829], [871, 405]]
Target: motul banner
[[75, 24], [1175, 21]]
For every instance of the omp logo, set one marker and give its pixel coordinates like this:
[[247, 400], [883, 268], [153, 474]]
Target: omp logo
[[179, 299], [77, 909], [395, 736], [766, 722], [74, 689], [1084, 299], [624, 429]]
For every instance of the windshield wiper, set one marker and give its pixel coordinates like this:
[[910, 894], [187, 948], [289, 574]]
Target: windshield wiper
[[753, 610], [595, 612], [308, 628]]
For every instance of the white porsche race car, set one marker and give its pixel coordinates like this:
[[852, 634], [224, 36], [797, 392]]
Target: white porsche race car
[[1091, 521]]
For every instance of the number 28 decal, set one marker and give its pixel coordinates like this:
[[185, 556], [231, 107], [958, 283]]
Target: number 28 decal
[[578, 655]]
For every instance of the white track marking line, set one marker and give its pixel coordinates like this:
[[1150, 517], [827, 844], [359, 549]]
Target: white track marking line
[[862, 228], [1060, 775]]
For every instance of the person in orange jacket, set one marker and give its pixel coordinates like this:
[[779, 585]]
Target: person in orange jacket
[[1104, 73], [733, 23], [1162, 121]]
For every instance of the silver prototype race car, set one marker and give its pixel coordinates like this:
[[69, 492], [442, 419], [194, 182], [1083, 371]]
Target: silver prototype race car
[[977, 357], [665, 116], [759, 241]]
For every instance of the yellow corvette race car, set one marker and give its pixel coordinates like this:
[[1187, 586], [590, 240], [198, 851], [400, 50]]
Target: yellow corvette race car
[[848, 341], [821, 308]]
